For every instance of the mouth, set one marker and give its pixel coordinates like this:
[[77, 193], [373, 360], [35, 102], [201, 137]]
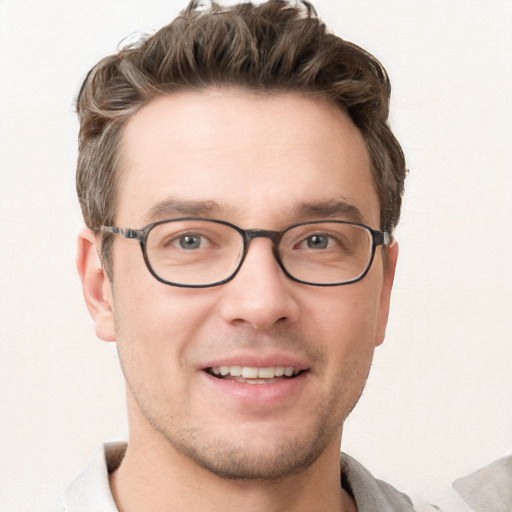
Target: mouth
[[254, 375]]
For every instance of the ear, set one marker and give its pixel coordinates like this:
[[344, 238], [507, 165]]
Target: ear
[[385, 295], [96, 286]]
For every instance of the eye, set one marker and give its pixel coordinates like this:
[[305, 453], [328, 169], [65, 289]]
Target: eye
[[191, 241], [317, 241]]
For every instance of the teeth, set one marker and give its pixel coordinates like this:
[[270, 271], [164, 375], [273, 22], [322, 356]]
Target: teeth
[[279, 371], [235, 371], [266, 373], [251, 372]]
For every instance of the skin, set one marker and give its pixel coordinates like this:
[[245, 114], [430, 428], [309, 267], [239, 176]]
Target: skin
[[264, 447]]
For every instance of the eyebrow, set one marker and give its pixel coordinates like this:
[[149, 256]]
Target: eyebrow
[[330, 208], [172, 207]]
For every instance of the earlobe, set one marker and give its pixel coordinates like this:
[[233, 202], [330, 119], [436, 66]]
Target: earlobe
[[96, 286], [387, 285]]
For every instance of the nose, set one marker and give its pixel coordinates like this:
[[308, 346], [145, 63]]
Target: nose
[[260, 295]]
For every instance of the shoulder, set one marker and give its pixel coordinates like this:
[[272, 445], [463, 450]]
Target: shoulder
[[488, 488], [374, 495]]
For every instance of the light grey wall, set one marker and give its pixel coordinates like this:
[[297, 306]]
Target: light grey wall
[[438, 401]]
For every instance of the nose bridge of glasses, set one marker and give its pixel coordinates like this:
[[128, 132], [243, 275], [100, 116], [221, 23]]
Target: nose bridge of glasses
[[251, 234], [273, 236]]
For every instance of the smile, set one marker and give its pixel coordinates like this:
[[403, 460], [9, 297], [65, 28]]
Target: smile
[[254, 375]]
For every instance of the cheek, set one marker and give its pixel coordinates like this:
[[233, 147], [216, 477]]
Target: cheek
[[347, 327], [159, 315], [148, 309], [153, 339], [347, 314], [158, 327]]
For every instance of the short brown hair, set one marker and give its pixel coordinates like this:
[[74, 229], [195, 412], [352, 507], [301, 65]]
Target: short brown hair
[[277, 46]]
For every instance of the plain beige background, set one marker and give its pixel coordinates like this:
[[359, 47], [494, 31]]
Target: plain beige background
[[438, 403]]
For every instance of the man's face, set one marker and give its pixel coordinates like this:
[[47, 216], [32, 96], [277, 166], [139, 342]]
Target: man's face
[[257, 162]]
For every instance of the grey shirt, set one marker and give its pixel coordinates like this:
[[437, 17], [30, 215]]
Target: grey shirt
[[90, 491], [488, 489]]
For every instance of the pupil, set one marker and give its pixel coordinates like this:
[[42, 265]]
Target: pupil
[[317, 242], [189, 242]]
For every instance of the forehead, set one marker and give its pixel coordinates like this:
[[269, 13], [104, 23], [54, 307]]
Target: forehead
[[251, 158]]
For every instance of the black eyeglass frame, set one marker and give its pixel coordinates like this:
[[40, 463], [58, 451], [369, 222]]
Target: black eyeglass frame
[[378, 238]]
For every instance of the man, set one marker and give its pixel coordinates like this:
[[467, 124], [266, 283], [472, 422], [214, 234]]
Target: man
[[240, 186]]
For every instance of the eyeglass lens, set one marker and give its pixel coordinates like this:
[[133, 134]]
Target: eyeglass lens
[[202, 252]]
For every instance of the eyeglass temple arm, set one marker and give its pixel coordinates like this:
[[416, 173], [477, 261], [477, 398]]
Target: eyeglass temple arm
[[382, 238], [127, 233]]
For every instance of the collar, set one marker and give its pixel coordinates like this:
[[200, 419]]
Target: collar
[[369, 493], [90, 490]]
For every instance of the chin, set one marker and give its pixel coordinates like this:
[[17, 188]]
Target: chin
[[255, 452], [266, 463]]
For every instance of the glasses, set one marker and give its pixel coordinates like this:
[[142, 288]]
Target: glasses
[[196, 252]]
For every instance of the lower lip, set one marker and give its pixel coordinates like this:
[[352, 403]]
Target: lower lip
[[275, 393]]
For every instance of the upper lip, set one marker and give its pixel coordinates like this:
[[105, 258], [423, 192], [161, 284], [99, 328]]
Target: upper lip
[[257, 361]]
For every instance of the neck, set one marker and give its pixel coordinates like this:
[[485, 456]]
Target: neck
[[154, 476]]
